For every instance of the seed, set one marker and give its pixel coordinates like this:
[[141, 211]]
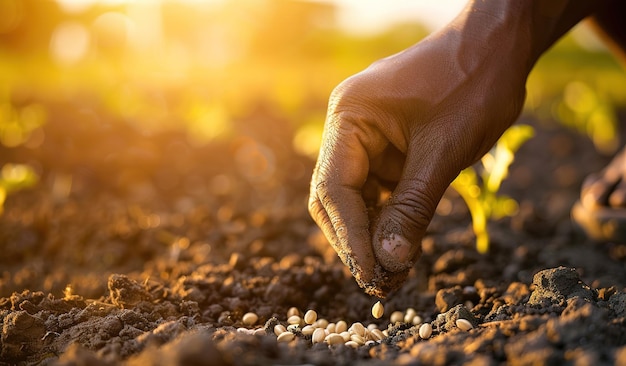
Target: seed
[[372, 326], [331, 327], [345, 335], [377, 335], [417, 320], [357, 338], [244, 330], [425, 330], [357, 328], [378, 310], [464, 324], [396, 317], [308, 330], [294, 319], [386, 333], [286, 337], [318, 335], [259, 332], [250, 318], [310, 317], [370, 343], [279, 329], [293, 311], [341, 326], [321, 323], [334, 338], [409, 315], [352, 344]]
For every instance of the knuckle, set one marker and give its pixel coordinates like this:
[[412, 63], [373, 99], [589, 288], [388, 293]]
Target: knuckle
[[415, 208]]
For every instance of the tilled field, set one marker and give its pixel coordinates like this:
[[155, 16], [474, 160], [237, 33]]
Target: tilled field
[[153, 252]]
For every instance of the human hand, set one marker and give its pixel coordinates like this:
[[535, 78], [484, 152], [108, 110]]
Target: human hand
[[408, 123]]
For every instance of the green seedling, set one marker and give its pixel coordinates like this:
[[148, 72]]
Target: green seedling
[[479, 190]]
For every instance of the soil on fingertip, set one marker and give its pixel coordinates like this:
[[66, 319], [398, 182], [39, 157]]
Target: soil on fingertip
[[156, 250]]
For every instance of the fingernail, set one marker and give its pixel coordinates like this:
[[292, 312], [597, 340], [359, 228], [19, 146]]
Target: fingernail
[[398, 247]]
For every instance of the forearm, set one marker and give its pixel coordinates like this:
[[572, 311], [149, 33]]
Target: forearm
[[523, 29]]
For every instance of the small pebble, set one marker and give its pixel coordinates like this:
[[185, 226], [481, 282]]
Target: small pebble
[[249, 318], [378, 310], [293, 328], [310, 317], [286, 337], [464, 324], [425, 331]]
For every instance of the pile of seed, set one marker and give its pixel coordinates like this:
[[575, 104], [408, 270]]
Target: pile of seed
[[320, 330]]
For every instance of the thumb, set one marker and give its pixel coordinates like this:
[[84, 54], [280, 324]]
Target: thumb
[[402, 222]]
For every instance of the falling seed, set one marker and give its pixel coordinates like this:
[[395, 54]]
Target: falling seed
[[396, 317], [293, 311], [378, 310], [334, 338], [250, 318], [341, 326], [352, 344], [425, 331], [464, 324], [310, 317], [318, 335], [286, 337], [279, 329]]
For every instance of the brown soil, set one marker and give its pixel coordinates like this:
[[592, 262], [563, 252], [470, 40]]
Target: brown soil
[[160, 249]]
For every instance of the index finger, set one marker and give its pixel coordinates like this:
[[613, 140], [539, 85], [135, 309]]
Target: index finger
[[336, 202]]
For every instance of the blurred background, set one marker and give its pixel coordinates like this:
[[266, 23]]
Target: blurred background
[[109, 91]]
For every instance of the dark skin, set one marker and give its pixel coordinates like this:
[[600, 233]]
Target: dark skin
[[412, 121]]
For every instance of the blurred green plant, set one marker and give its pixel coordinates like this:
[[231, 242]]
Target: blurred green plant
[[479, 190], [14, 177]]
